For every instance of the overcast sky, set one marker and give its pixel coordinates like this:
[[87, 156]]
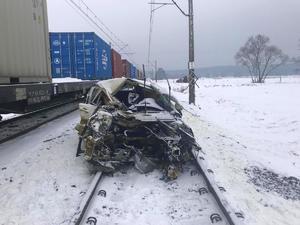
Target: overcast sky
[[221, 27]]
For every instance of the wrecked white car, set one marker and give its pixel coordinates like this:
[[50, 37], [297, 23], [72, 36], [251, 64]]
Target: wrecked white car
[[127, 121]]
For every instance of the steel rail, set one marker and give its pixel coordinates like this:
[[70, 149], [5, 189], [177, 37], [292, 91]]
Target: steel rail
[[232, 217], [79, 215]]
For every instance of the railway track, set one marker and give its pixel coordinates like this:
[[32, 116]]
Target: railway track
[[17, 126], [133, 198]]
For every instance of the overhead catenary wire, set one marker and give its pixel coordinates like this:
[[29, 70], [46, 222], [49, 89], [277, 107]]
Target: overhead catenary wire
[[98, 26], [152, 9], [95, 23], [124, 45], [78, 12], [104, 25]]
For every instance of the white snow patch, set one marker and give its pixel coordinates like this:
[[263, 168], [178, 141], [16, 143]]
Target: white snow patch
[[9, 116], [66, 80]]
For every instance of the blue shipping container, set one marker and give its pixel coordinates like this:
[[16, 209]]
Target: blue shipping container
[[80, 55], [60, 55], [132, 71]]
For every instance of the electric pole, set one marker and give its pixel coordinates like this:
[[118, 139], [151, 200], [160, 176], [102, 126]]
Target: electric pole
[[156, 71], [191, 55], [191, 64]]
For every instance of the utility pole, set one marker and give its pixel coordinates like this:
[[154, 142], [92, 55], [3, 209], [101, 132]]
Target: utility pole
[[192, 96], [156, 71], [191, 64]]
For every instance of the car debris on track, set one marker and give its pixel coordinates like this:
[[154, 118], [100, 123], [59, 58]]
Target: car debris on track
[[127, 121]]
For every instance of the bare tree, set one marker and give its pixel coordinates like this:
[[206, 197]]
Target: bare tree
[[260, 57]]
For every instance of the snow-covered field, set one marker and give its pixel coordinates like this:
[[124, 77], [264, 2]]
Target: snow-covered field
[[251, 135]]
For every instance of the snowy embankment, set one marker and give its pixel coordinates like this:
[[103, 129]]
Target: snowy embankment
[[251, 135], [41, 181]]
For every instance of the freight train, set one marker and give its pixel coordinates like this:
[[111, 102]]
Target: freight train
[[31, 57], [86, 56]]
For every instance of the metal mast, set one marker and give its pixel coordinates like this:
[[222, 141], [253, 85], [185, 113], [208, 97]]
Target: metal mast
[[192, 96], [191, 64]]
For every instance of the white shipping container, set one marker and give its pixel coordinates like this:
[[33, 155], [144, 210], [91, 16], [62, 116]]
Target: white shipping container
[[24, 42]]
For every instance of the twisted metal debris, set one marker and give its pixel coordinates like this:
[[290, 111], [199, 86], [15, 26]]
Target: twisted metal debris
[[126, 121]]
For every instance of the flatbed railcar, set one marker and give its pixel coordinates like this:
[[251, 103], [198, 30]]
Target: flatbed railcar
[[20, 98]]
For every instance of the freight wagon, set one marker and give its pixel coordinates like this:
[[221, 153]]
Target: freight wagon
[[22, 98], [126, 68], [80, 55], [132, 71], [117, 67], [27, 67], [25, 44]]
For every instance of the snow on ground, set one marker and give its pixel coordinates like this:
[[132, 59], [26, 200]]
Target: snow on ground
[[41, 181], [66, 80], [244, 128], [251, 135], [9, 116]]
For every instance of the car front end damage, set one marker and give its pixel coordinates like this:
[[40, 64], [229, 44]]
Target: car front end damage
[[127, 121]]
